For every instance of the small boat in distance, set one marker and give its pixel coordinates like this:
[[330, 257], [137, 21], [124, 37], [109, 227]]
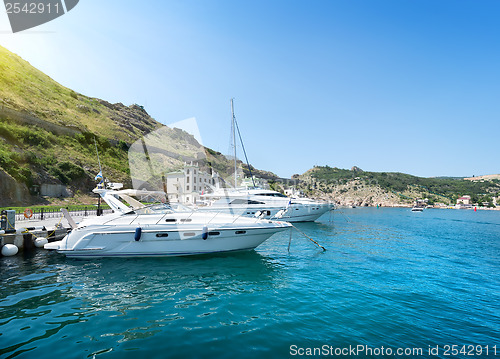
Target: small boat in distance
[[419, 205]]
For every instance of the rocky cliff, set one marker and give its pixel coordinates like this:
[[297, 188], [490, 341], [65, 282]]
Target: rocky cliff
[[362, 188]]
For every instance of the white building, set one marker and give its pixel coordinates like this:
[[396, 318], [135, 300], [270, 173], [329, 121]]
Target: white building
[[464, 200], [293, 192], [187, 184]]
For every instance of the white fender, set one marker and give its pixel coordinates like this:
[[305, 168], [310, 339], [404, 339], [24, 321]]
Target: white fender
[[40, 242], [9, 250]]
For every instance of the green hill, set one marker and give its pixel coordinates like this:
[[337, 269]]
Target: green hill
[[49, 133], [362, 187]]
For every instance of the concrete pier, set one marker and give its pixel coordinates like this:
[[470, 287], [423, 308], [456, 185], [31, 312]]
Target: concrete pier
[[27, 231], [24, 238]]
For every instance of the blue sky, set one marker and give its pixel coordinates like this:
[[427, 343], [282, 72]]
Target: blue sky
[[387, 85]]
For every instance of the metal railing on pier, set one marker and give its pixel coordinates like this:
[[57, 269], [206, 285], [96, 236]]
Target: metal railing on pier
[[44, 213]]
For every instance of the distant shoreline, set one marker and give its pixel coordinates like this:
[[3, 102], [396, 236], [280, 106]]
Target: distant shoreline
[[406, 206]]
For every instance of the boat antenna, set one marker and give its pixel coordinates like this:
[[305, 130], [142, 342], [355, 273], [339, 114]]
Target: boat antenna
[[98, 160], [242, 145], [99, 210]]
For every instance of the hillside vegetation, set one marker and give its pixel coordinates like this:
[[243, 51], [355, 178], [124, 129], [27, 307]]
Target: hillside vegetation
[[49, 135], [360, 187]]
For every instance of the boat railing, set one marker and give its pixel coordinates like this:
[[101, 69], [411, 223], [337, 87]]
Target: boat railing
[[46, 213]]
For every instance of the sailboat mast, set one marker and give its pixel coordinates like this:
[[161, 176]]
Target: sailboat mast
[[233, 130], [235, 127]]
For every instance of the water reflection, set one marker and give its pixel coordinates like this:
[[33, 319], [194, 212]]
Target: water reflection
[[43, 293]]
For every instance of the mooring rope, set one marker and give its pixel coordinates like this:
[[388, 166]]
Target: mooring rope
[[346, 217], [56, 226], [305, 235]]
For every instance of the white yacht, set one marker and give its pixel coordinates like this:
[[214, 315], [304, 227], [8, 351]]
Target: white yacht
[[260, 202], [265, 204], [159, 231]]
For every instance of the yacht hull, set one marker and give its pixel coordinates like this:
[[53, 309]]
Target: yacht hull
[[161, 242], [294, 213]]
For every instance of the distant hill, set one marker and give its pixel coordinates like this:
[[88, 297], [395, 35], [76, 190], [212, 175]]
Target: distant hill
[[358, 187], [484, 178]]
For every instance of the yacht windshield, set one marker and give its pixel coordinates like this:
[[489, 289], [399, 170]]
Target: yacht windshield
[[178, 207], [155, 209], [272, 194]]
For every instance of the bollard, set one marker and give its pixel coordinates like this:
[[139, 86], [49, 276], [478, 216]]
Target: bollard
[[28, 243]]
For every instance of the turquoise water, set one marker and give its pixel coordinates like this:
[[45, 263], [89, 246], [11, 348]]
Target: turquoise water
[[390, 279]]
